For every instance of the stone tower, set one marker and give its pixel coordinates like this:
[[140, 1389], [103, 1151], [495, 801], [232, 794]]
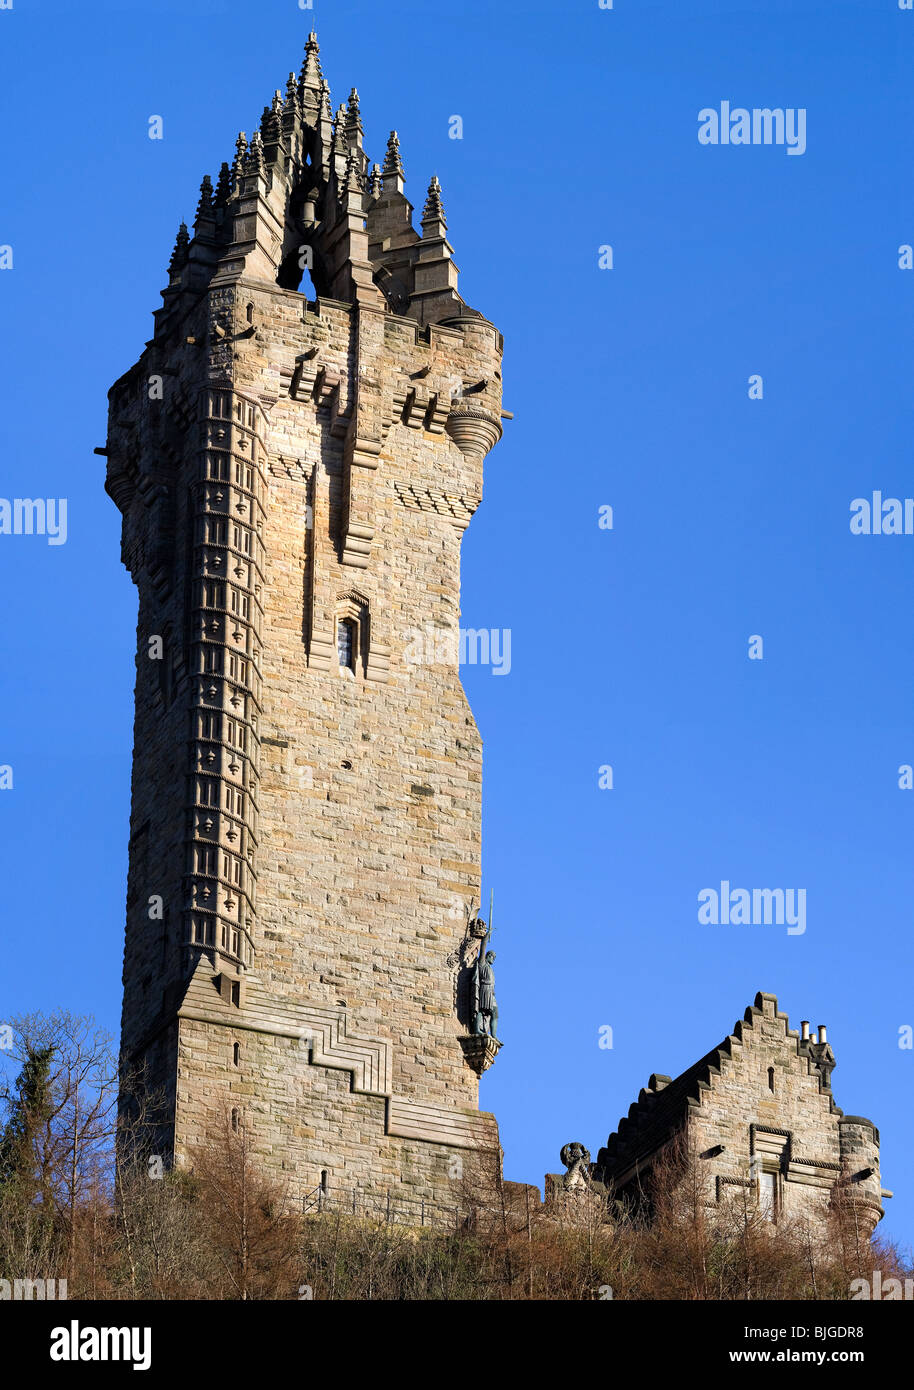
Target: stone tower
[[295, 476]]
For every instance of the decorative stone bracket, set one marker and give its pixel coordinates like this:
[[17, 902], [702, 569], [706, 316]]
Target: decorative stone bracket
[[480, 1051]]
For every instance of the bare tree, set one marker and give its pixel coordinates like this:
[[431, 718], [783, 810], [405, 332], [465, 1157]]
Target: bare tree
[[249, 1227], [72, 1144]]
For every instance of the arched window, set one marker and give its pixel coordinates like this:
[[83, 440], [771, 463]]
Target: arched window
[[771, 1079], [353, 633]]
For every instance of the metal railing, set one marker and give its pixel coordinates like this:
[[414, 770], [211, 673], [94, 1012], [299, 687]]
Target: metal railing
[[383, 1206]]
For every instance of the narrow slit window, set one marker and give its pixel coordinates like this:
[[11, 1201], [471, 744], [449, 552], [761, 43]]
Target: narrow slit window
[[346, 642], [767, 1195]]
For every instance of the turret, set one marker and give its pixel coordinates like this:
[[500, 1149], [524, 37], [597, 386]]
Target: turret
[[860, 1188]]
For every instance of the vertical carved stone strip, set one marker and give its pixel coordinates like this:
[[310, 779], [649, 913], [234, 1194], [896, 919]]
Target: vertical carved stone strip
[[225, 649]]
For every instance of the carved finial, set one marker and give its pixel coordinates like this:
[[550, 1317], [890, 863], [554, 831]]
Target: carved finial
[[254, 162], [311, 79], [339, 131], [353, 182], [374, 183], [325, 107], [205, 204], [241, 149], [179, 254], [271, 121], [291, 102], [433, 210], [392, 174], [223, 186], [354, 118], [392, 164]]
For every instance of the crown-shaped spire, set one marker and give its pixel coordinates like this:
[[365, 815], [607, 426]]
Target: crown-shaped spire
[[291, 102], [392, 173]]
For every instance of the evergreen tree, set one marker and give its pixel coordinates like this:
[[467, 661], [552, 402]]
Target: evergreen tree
[[29, 1109]]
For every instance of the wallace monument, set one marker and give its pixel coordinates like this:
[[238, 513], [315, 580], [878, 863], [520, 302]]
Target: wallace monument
[[295, 476]]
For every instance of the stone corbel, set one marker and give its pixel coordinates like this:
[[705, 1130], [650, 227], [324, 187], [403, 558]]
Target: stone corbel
[[305, 375], [439, 408], [480, 1051], [416, 406]]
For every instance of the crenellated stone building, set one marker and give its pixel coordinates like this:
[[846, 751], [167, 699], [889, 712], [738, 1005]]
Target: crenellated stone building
[[756, 1114], [295, 475]]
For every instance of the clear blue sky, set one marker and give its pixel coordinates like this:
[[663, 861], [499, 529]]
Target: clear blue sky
[[629, 387]]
